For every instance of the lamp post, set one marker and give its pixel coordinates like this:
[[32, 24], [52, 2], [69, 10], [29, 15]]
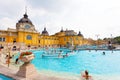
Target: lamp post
[[8, 59], [97, 40], [111, 39], [111, 43]]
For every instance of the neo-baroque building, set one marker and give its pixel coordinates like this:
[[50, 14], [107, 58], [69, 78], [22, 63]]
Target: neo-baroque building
[[26, 33]]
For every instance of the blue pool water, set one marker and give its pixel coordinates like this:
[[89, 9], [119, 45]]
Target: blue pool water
[[2, 77], [94, 62]]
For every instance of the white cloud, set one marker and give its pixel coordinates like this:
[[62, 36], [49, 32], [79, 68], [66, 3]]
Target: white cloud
[[7, 22], [10, 12], [91, 17], [11, 7]]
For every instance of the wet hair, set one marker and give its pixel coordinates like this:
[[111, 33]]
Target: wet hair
[[86, 72]]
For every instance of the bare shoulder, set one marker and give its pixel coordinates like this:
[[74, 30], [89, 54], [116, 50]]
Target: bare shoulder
[[86, 77]]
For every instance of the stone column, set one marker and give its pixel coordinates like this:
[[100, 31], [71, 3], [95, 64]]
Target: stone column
[[27, 70]]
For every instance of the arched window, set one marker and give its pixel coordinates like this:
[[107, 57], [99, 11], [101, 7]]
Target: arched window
[[76, 38], [29, 37]]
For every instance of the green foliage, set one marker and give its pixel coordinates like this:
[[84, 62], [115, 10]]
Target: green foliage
[[117, 39]]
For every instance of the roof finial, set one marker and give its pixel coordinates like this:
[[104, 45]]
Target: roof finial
[[61, 29], [25, 9], [25, 15], [45, 27]]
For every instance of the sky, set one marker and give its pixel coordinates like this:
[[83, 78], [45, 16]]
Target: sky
[[93, 18]]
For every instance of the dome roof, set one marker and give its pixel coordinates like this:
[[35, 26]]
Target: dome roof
[[44, 32], [79, 34], [70, 33], [25, 19]]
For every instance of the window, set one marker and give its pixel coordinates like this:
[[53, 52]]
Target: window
[[2, 39], [39, 41], [70, 39], [14, 39], [29, 37], [64, 39], [0, 33], [10, 34], [76, 38], [27, 26]]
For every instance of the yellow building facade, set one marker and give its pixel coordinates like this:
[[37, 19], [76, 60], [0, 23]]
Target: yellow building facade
[[26, 33]]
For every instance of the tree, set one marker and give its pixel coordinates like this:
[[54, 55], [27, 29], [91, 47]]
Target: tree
[[117, 40]]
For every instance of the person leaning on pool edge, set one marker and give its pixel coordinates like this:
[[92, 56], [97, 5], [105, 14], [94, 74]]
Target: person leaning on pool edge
[[16, 61]]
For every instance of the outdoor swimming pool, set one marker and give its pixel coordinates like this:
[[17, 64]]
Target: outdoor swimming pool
[[2, 77], [93, 61]]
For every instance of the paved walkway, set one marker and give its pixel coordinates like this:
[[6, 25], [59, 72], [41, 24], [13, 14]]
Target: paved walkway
[[12, 73]]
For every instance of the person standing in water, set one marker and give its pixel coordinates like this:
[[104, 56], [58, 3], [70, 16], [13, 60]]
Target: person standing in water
[[103, 53], [86, 76]]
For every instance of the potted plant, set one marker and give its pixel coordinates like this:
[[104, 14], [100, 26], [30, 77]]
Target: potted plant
[[26, 56]]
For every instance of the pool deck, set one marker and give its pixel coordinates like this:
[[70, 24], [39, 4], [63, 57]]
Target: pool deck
[[12, 73]]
